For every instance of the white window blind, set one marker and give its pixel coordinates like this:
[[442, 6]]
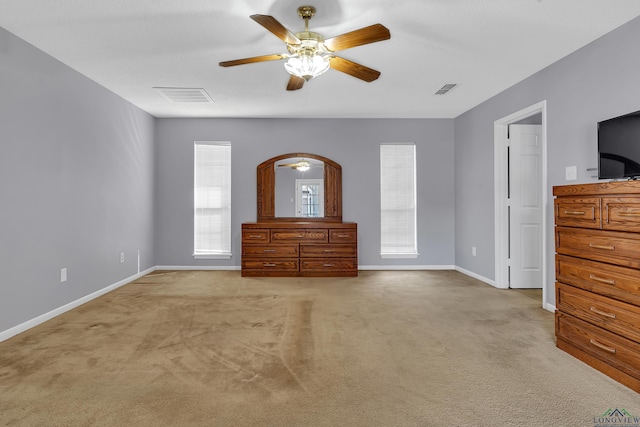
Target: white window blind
[[398, 201], [212, 200]]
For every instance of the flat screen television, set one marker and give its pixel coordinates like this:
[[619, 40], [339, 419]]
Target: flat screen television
[[619, 147]]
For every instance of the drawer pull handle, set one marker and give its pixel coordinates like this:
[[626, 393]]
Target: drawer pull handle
[[605, 247], [328, 265], [269, 250], [266, 264], [329, 250], [629, 214], [602, 346], [255, 236], [603, 313], [343, 235], [574, 212], [602, 280]]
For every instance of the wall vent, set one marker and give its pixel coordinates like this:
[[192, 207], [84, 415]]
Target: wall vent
[[184, 95], [446, 88]]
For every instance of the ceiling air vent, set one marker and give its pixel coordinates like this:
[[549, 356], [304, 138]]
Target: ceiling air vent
[[184, 95], [446, 88]]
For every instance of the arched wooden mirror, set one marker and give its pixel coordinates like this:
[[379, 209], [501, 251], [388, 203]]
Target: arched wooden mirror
[[293, 179]]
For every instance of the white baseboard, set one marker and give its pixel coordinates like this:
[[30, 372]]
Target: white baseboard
[[360, 267], [549, 307], [198, 267], [405, 267], [5, 335], [476, 276]]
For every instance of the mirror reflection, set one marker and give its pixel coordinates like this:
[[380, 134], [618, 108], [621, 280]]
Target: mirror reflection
[[299, 188]]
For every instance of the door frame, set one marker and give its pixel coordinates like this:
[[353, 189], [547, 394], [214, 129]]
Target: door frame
[[500, 136]]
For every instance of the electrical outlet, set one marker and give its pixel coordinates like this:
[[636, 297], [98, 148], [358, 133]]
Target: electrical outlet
[[63, 275], [571, 173], [121, 257], [473, 251]]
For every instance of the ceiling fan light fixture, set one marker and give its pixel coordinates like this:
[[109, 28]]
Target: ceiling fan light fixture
[[307, 65]]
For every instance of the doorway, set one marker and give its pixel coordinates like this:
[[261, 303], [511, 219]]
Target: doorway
[[506, 256], [309, 198]]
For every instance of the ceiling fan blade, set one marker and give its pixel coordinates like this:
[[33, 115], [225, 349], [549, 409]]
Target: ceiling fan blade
[[371, 34], [252, 60], [295, 83], [272, 24], [354, 69]]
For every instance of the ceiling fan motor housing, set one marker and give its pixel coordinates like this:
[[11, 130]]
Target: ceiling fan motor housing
[[310, 43], [306, 12]]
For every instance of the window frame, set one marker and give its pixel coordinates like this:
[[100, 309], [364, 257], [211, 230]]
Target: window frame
[[409, 248], [223, 251]]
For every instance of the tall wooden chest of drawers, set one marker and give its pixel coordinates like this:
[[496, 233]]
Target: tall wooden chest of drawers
[[328, 249], [597, 237]]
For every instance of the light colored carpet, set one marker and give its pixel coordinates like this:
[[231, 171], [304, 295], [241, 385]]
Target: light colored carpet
[[198, 348]]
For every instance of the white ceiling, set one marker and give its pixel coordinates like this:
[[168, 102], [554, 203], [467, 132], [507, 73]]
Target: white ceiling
[[486, 46]]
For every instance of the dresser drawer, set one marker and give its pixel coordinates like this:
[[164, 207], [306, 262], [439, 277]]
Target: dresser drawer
[[621, 283], [300, 235], [621, 213], [343, 236], [615, 316], [328, 250], [255, 235], [282, 251], [616, 351], [328, 264], [606, 246], [270, 264], [578, 212]]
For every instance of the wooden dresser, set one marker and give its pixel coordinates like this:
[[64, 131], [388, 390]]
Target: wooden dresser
[[299, 249], [597, 238]]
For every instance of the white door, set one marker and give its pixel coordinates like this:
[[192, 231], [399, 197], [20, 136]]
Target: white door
[[309, 198], [525, 206]]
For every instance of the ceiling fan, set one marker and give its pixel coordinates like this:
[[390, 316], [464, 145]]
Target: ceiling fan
[[310, 54]]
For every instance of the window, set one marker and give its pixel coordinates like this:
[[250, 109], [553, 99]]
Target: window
[[398, 201], [212, 200]]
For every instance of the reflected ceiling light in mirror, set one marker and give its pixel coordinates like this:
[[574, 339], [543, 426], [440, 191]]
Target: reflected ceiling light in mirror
[[303, 166], [300, 164]]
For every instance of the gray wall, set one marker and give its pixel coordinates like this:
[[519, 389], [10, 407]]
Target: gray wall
[[354, 143], [597, 82], [76, 184]]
